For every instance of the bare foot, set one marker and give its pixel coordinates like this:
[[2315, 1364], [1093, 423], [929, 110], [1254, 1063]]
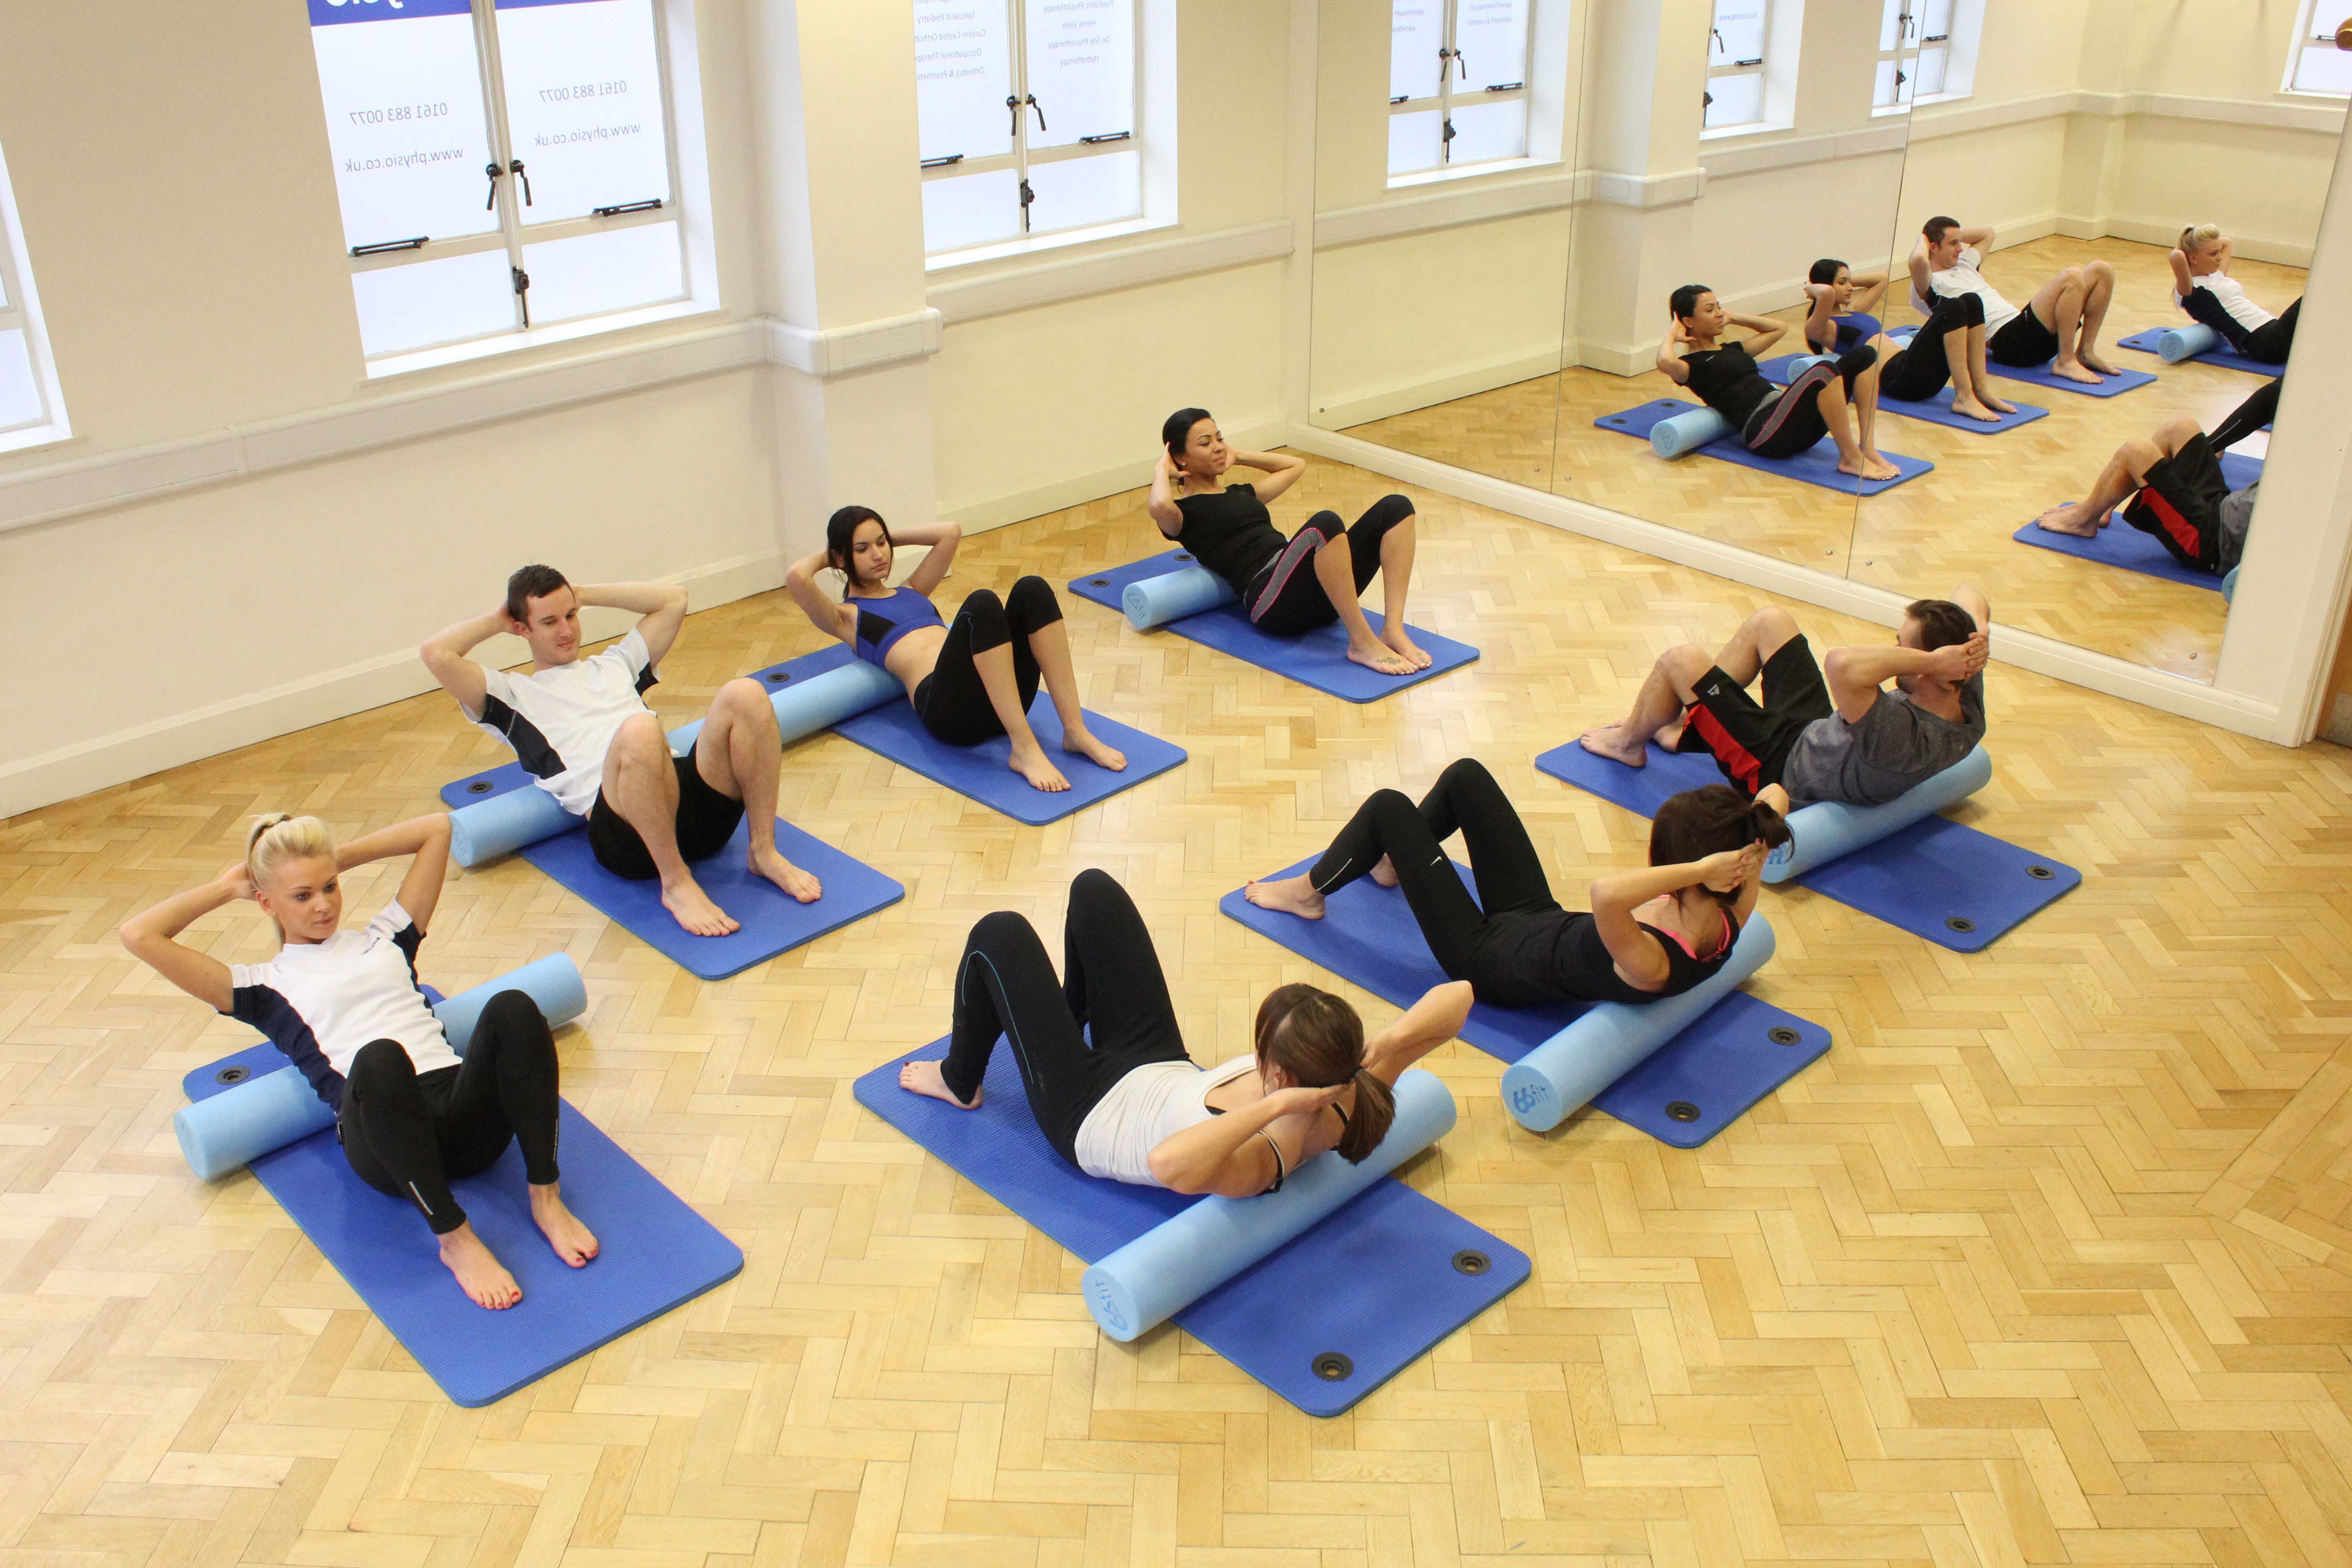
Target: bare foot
[[574, 1242], [1974, 410], [1670, 739], [1869, 465], [1292, 895], [480, 1276], [923, 1078], [1379, 658], [1611, 742], [692, 908], [1997, 405], [1029, 762], [2069, 519], [770, 862], [2073, 369], [1394, 635], [1081, 742], [1385, 873], [2095, 362]]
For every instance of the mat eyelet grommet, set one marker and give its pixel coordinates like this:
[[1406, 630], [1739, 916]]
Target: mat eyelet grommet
[[1099, 583], [1333, 1367], [479, 787], [1470, 1260], [1961, 923], [1182, 556], [1781, 1035], [2040, 873], [778, 676], [231, 1075], [1681, 1110]]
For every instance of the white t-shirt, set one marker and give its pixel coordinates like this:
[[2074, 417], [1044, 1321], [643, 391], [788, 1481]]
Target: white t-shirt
[[2233, 296], [560, 722], [1962, 278], [1151, 1103], [320, 1002]]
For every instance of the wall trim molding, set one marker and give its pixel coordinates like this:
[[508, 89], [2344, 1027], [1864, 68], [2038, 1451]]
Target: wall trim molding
[[1452, 207], [1648, 192], [1796, 152], [1259, 434], [861, 345], [1380, 402], [1961, 118], [1128, 267]]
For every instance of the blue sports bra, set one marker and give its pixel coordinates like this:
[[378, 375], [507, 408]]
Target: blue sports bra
[[882, 621]]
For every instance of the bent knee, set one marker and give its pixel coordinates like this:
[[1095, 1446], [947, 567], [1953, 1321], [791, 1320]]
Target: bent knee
[[381, 1064], [639, 736], [1033, 602], [1686, 663], [744, 697], [998, 928], [1772, 625], [512, 1006], [2139, 454]]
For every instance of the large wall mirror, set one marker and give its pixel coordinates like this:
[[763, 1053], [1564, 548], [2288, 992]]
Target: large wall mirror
[[1509, 192]]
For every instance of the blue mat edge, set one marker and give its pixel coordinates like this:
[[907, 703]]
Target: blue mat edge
[[1861, 490], [2224, 358]]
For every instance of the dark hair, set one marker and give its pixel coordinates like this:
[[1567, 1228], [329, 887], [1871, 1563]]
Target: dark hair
[[1825, 271], [1941, 623], [1707, 821], [1935, 229], [1177, 429], [841, 537], [532, 583], [1317, 1039], [1684, 300]]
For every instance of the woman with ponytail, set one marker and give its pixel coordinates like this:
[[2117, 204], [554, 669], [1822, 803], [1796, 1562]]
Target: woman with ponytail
[[1109, 1082], [345, 1008], [1651, 934], [2202, 287]]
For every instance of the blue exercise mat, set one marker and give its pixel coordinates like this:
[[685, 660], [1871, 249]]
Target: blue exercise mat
[[1317, 658], [2223, 355], [980, 773], [1377, 1283], [2114, 385], [1683, 1094], [1815, 466], [1957, 888], [771, 921], [1935, 410], [2121, 544], [655, 1253]]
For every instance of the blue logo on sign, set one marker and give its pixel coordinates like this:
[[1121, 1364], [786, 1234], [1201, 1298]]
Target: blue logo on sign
[[327, 13]]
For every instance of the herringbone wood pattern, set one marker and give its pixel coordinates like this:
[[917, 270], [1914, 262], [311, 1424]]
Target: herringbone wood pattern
[[2047, 1261]]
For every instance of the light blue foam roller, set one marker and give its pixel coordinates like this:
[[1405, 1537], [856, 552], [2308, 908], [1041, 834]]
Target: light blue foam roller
[[1172, 595], [237, 1126], [1683, 433], [1185, 1257], [2176, 343], [2229, 585], [1557, 1077], [1827, 829]]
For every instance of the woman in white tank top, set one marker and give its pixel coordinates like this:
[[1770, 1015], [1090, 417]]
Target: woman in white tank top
[[2202, 287], [1107, 1077]]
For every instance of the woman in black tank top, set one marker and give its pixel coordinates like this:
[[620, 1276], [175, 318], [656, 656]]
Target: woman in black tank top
[[1287, 585], [1839, 399]]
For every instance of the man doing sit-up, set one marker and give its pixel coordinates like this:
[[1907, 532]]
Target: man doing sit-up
[[1845, 739], [581, 727], [2061, 323], [2171, 484]]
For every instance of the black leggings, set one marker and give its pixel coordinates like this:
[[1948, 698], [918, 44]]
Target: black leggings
[[1111, 981], [952, 701], [1920, 369], [2246, 418], [2268, 343], [1790, 423], [408, 1136], [1286, 598]]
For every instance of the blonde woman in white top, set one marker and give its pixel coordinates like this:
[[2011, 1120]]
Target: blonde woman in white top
[[2202, 287]]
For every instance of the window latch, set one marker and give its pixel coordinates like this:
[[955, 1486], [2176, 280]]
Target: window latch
[[1445, 142], [1027, 196], [1455, 55], [651, 205], [1107, 136], [515, 169], [382, 245], [1017, 104], [948, 162], [493, 171], [522, 291], [1717, 34]]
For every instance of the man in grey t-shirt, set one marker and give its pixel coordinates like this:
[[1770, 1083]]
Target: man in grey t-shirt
[[1844, 737]]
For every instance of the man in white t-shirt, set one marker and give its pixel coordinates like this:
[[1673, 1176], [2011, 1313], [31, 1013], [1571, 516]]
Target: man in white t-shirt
[[581, 727], [2060, 323]]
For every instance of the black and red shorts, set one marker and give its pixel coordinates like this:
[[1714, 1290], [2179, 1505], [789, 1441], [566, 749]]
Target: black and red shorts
[[2180, 503], [1751, 741]]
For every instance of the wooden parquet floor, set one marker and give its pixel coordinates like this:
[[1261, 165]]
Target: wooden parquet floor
[[2047, 1261], [1951, 525]]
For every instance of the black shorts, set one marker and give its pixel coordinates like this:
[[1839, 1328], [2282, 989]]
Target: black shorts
[[706, 821], [2023, 342], [2179, 503], [1749, 741]]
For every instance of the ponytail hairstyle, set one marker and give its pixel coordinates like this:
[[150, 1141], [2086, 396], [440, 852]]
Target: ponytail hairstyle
[[2197, 235], [1825, 271], [1698, 823], [841, 537], [1316, 1039], [279, 837], [1176, 430]]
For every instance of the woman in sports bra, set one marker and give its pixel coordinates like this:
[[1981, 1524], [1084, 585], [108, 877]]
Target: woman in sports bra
[[972, 681], [1109, 1079], [1288, 587], [2202, 287], [1652, 934], [1835, 397]]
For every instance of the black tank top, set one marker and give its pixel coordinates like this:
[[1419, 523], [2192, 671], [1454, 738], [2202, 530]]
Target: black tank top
[[1552, 955], [1728, 381], [1230, 533]]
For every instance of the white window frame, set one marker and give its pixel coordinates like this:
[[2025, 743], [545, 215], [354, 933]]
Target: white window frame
[[1759, 67], [1965, 26], [21, 312], [1450, 92], [2308, 35]]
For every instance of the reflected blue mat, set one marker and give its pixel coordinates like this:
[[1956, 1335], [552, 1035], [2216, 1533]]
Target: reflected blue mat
[[772, 921], [1318, 659], [2123, 381], [1714, 1071], [2224, 355], [1375, 1281], [1957, 888], [655, 1253], [1935, 410], [1815, 466], [980, 773], [2121, 544]]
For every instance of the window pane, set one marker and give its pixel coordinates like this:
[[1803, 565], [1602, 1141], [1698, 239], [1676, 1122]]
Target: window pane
[[1485, 132], [1413, 142], [402, 91], [594, 274], [1935, 21], [584, 103], [1077, 192], [1493, 38], [20, 390], [963, 71], [1928, 71], [971, 209], [1739, 100], [1081, 70], [1738, 33], [2324, 68], [1416, 32], [445, 300], [1890, 25], [1881, 95]]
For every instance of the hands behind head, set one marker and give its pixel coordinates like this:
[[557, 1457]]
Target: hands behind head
[[1728, 871], [237, 880], [1301, 1099], [1957, 662]]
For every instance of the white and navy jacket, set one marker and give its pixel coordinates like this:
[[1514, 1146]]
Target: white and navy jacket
[[321, 1002]]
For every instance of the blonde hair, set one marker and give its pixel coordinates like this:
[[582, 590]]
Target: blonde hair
[[277, 836], [2197, 235]]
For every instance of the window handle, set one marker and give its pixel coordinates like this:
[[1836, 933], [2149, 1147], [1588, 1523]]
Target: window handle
[[1027, 196], [1455, 55], [1017, 104], [493, 171], [1717, 34], [515, 169], [522, 291], [1031, 102], [1445, 142]]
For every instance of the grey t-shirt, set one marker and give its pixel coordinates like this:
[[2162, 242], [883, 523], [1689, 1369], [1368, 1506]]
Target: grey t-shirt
[[1897, 745]]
